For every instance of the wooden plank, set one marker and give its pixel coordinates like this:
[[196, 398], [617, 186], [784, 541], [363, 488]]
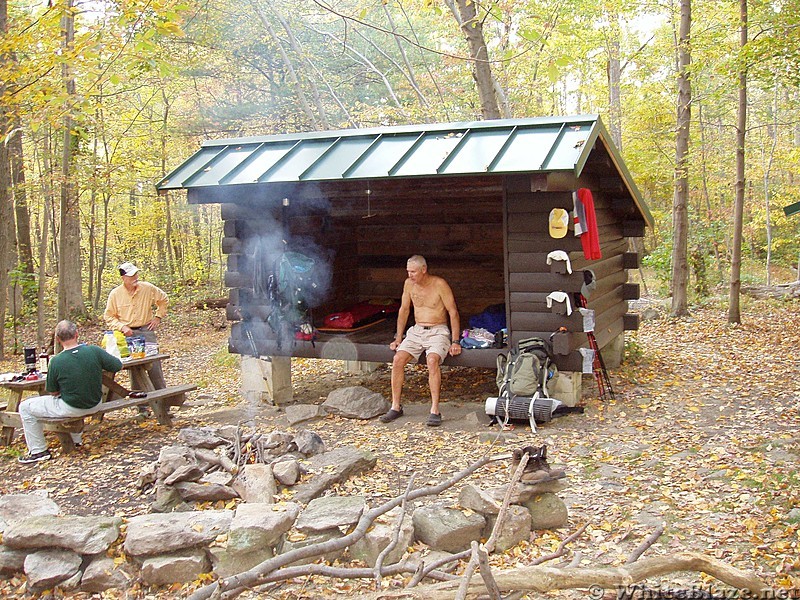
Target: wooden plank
[[630, 321], [546, 321], [630, 291], [545, 282], [631, 260], [631, 228]]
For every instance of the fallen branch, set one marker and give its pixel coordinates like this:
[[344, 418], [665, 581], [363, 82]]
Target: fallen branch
[[231, 587], [651, 539], [559, 552], [543, 579], [398, 526]]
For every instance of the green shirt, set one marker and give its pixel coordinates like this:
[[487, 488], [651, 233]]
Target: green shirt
[[78, 374]]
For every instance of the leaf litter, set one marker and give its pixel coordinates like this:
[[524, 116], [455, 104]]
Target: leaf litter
[[704, 436]]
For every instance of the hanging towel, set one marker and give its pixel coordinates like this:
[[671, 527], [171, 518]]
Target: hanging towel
[[578, 215], [559, 255], [590, 240], [559, 297]]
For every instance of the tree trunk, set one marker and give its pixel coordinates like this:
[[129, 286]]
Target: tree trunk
[[409, 70], [472, 27], [6, 203], [734, 315], [23, 217], [70, 300], [614, 77], [680, 213]]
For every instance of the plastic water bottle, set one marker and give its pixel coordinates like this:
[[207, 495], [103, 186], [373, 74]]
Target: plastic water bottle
[[110, 344]]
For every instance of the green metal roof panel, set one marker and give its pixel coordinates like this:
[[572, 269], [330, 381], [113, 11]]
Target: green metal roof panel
[[447, 149]]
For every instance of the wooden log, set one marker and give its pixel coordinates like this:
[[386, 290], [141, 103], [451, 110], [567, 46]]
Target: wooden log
[[630, 321]]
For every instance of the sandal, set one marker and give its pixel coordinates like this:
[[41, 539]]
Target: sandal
[[434, 420], [392, 415]]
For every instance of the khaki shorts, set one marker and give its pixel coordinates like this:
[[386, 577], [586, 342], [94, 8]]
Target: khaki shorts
[[419, 338]]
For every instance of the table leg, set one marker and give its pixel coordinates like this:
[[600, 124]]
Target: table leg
[[7, 435]]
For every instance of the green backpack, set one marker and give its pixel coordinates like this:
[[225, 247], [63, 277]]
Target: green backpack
[[526, 369]]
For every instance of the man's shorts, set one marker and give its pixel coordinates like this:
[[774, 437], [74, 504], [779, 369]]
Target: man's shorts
[[434, 338]]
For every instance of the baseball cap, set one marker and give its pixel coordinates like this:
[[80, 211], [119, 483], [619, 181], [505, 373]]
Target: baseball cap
[[559, 222], [128, 269]]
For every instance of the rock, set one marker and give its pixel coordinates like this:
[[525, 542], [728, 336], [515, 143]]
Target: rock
[[172, 458], [279, 443], [258, 526], [429, 558], [548, 511], [286, 472], [217, 478], [226, 563], [298, 413], [525, 491], [380, 535], [316, 538], [184, 473], [165, 533], [147, 476], [329, 512], [256, 483], [445, 528], [168, 500], [180, 567], [204, 492], [102, 574], [516, 527], [11, 561], [474, 498], [15, 507], [201, 437], [46, 569], [83, 535], [309, 443], [793, 516], [330, 468], [356, 402], [650, 314]]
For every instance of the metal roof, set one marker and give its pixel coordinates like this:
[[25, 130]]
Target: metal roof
[[474, 148]]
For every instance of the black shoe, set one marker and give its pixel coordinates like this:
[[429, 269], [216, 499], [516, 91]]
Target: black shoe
[[434, 420], [392, 415], [33, 458]]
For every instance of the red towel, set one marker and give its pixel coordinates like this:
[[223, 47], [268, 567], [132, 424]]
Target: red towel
[[590, 240]]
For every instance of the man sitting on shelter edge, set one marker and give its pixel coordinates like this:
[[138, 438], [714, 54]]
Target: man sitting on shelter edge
[[130, 310], [433, 302], [74, 376]]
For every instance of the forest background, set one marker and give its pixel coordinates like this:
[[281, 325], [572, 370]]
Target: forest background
[[100, 99]]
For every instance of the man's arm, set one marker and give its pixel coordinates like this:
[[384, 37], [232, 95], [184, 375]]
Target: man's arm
[[111, 314], [402, 315], [109, 363], [449, 302], [161, 301]]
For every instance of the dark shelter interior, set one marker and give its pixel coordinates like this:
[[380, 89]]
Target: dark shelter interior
[[473, 199]]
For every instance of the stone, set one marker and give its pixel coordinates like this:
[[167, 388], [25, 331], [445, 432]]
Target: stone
[[279, 443], [180, 567], [226, 563], [650, 314], [448, 529], [184, 473], [356, 402], [168, 500], [330, 468], [547, 511], [172, 458], [379, 536], [217, 477], [793, 516], [525, 491], [165, 533], [300, 541], [46, 569], [201, 437], [329, 512], [204, 492], [309, 443], [298, 413], [102, 574], [286, 472], [15, 507], [256, 483], [474, 498], [515, 529], [11, 561], [83, 535], [258, 526]]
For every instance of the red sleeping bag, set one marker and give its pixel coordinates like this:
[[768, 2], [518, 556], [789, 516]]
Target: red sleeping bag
[[361, 314]]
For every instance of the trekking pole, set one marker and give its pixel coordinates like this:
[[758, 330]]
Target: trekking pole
[[598, 364]]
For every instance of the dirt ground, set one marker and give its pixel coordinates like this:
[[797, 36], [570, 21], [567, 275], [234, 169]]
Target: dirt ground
[[703, 437]]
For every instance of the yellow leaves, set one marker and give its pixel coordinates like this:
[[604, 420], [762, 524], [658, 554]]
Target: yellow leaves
[[296, 536], [198, 527]]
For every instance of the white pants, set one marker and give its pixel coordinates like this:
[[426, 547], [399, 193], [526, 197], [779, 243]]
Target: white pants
[[41, 407]]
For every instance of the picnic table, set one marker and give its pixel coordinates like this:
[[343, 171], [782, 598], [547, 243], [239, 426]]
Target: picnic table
[[115, 397]]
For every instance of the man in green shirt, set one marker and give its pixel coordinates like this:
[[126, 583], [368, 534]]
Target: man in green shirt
[[74, 380]]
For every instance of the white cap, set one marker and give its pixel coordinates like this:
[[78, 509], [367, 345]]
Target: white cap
[[128, 269]]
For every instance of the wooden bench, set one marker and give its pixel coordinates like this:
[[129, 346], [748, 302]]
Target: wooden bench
[[159, 401]]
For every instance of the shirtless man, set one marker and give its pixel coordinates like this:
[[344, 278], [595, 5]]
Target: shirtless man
[[433, 303]]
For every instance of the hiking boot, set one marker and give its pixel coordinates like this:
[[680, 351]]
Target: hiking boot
[[391, 415], [33, 458], [434, 420]]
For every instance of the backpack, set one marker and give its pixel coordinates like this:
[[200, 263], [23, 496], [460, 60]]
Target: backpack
[[526, 369]]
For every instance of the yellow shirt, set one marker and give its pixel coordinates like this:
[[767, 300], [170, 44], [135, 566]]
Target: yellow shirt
[[134, 310]]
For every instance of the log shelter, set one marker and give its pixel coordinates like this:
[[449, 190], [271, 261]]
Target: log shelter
[[473, 198]]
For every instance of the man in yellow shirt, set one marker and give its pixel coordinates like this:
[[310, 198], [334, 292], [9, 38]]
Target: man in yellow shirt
[[137, 308]]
